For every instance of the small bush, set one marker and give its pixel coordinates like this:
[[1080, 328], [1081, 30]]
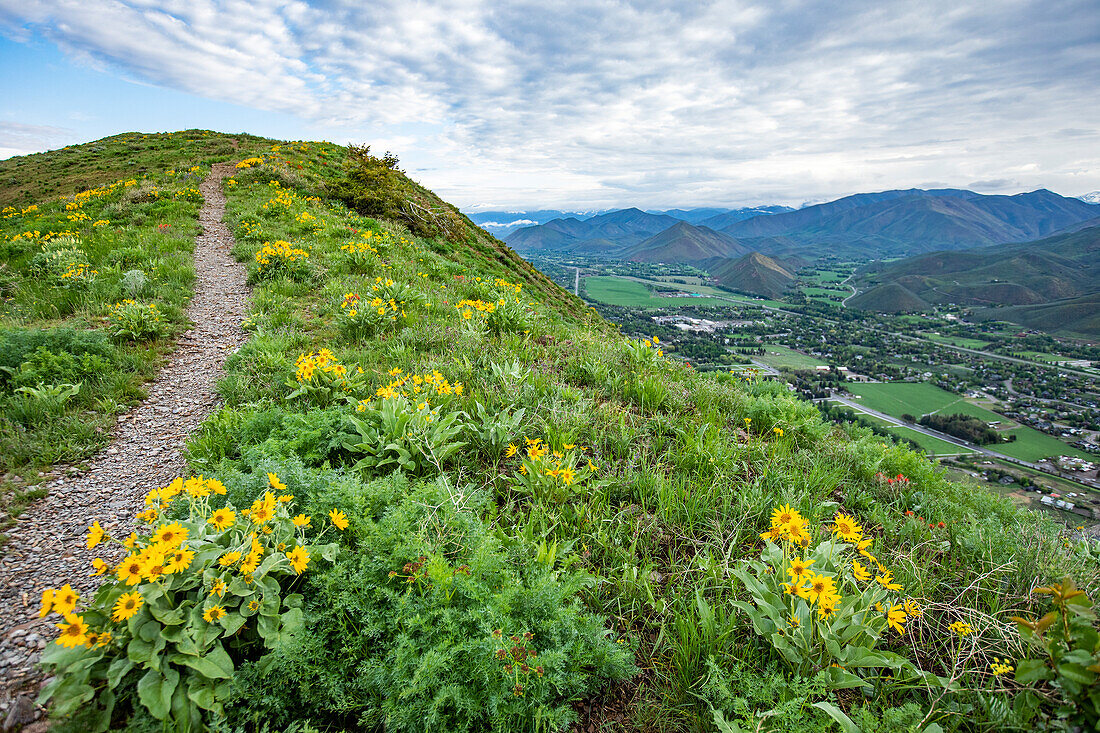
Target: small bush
[[135, 321], [191, 601], [430, 623], [281, 259]]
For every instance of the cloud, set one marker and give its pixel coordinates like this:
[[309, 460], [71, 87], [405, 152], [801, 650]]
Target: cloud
[[655, 103], [516, 223], [20, 139]]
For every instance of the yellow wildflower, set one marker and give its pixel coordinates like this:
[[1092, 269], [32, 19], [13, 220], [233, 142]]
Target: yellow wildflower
[[127, 605]]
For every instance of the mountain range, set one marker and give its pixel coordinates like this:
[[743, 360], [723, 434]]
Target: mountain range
[[503, 223], [1052, 283], [879, 225]]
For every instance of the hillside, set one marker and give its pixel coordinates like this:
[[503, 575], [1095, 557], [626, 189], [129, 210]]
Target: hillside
[[752, 273], [1062, 267], [1071, 316], [440, 494], [683, 242], [29, 179], [889, 298]]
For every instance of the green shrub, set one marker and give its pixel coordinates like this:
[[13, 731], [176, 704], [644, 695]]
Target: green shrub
[[396, 432], [1069, 645], [135, 321], [44, 367], [375, 187], [413, 629], [281, 259]]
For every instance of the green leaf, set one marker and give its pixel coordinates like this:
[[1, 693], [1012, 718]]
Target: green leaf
[[215, 664], [1030, 671], [155, 691], [187, 646], [268, 627], [292, 620], [838, 715], [233, 623], [149, 631], [169, 616], [103, 718], [1076, 673], [140, 651], [117, 671], [201, 694], [330, 551]]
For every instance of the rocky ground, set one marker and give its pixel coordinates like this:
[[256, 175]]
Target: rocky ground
[[47, 547]]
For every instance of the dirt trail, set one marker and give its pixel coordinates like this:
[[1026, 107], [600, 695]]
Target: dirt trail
[[47, 547]]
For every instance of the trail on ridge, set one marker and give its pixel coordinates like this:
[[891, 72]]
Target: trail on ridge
[[47, 547]]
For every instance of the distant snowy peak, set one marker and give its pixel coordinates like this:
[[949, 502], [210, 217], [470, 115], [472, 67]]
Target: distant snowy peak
[[1092, 198]]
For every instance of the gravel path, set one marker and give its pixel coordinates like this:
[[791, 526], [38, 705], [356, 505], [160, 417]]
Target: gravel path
[[47, 546]]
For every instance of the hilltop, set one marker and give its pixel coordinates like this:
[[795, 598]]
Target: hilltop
[[441, 494], [683, 242], [752, 273]]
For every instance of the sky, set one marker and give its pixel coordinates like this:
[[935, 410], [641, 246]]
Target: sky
[[588, 105]]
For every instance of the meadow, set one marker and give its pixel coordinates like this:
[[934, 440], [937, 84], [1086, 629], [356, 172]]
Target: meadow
[[783, 357], [620, 291], [442, 494]]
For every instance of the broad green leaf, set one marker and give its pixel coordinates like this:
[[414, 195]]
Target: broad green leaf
[[233, 622], [201, 694], [215, 665], [155, 691], [1076, 673], [118, 670], [169, 616], [839, 716], [292, 620], [1029, 671], [103, 718]]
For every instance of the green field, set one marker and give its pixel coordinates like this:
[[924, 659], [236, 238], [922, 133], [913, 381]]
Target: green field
[[898, 398], [619, 291], [932, 446], [920, 399], [1031, 445], [966, 343], [781, 357], [1044, 357], [827, 276]]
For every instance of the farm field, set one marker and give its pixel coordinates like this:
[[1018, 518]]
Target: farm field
[[812, 291], [1044, 357], [631, 293], [781, 357], [932, 446], [899, 398], [920, 399], [1032, 445], [966, 343]]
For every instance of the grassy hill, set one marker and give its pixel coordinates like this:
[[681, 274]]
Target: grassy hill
[[753, 273], [684, 242], [515, 518], [1049, 284]]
